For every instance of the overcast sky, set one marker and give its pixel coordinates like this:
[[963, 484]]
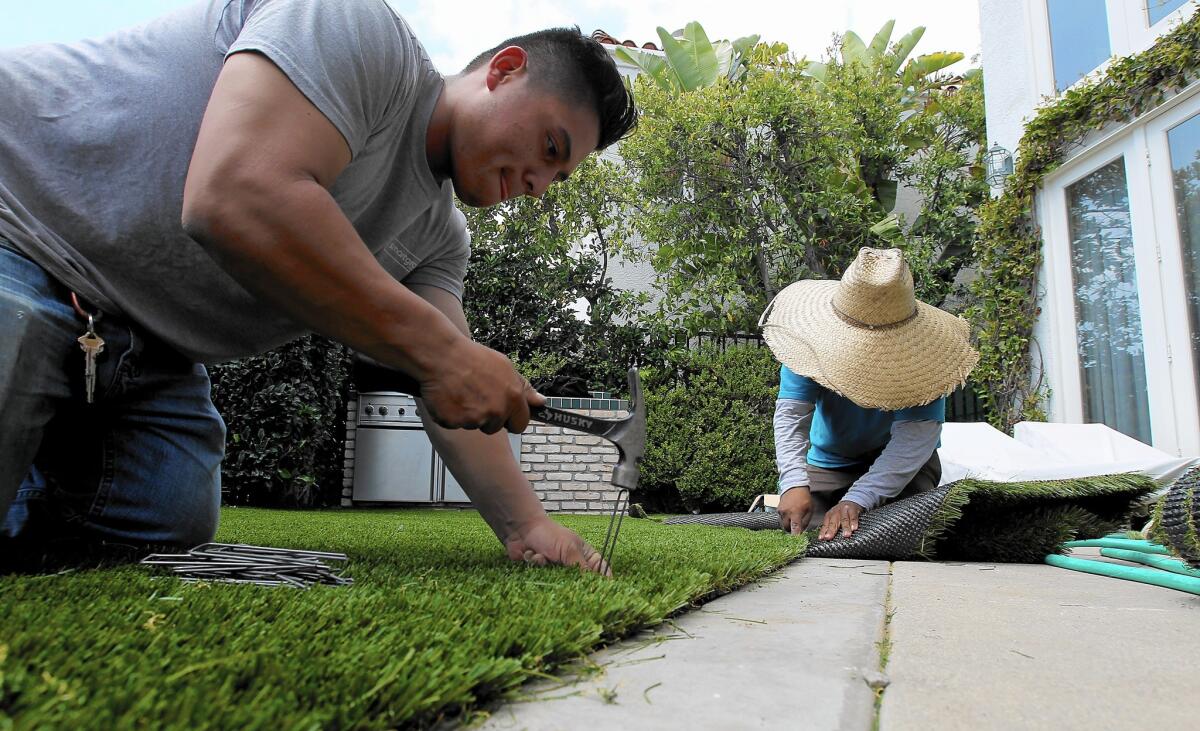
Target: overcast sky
[[454, 31]]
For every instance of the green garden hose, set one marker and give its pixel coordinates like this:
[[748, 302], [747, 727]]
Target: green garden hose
[[1159, 562], [1124, 543], [1129, 573]]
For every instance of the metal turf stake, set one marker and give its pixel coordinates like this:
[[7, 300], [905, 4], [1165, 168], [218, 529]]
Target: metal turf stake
[[618, 516]]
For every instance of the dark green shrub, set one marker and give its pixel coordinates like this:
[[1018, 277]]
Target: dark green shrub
[[710, 445], [285, 413]]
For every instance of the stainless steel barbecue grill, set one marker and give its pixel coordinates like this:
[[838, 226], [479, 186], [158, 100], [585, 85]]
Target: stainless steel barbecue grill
[[394, 461]]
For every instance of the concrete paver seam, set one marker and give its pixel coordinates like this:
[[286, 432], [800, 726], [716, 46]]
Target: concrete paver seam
[[879, 681]]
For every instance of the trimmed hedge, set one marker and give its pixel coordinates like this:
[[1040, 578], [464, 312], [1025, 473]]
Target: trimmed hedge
[[710, 445], [285, 415]]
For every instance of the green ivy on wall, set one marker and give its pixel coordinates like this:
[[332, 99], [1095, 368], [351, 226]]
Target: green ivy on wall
[[1009, 250]]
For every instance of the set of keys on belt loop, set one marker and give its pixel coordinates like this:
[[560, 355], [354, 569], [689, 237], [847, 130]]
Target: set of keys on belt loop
[[92, 345]]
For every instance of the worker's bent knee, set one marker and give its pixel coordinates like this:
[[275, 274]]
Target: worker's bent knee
[[179, 507]]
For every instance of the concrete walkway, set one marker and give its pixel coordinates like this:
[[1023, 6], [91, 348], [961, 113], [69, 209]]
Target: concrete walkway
[[792, 648], [979, 646], [1008, 646]]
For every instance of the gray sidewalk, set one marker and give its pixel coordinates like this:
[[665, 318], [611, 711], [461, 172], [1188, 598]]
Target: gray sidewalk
[[979, 646], [788, 652], [1008, 646]]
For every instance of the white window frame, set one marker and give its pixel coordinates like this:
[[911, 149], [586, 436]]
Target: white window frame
[[1043, 48], [1183, 365], [1127, 34], [1158, 258], [1136, 32]]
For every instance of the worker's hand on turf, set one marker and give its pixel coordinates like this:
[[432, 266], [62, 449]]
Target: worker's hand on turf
[[545, 542], [795, 510], [841, 517], [475, 387]]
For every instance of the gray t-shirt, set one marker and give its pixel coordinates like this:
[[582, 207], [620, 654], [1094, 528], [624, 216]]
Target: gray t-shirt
[[96, 138]]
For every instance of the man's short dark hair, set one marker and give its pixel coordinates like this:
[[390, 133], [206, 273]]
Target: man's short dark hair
[[579, 70]]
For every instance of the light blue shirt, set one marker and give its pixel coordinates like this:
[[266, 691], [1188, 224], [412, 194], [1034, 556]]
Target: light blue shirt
[[813, 424], [844, 434]]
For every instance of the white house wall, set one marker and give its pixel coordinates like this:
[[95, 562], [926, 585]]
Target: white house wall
[[1013, 83], [1017, 62], [1018, 79]]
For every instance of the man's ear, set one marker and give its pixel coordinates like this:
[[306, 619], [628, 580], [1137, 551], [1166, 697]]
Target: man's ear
[[508, 62]]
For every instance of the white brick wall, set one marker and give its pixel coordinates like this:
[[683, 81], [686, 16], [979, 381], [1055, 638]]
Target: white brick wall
[[348, 466], [570, 471]]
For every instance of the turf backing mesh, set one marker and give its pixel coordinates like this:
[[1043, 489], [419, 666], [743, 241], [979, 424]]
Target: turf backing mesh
[[751, 521], [974, 520], [1179, 515]]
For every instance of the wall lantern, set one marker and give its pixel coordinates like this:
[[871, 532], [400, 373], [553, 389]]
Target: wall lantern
[[999, 165]]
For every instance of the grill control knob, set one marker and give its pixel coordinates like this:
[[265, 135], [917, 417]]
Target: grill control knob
[[369, 410], [383, 411], [402, 411]]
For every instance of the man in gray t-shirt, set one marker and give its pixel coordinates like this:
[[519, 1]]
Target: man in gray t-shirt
[[232, 175]]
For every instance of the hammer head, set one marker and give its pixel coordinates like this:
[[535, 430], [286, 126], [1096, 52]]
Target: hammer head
[[630, 437]]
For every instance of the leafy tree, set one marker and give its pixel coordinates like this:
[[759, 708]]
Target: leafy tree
[[921, 130], [947, 174], [744, 186], [538, 286], [742, 189]]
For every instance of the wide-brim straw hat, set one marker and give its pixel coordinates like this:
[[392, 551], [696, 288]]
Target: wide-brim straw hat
[[868, 338]]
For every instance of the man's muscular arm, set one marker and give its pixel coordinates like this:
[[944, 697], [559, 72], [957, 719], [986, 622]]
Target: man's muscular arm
[[483, 464], [257, 199]]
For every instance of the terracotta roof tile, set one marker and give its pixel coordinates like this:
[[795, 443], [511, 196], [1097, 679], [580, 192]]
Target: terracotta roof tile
[[607, 39]]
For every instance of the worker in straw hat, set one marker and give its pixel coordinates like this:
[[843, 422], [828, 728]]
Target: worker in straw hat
[[866, 369]]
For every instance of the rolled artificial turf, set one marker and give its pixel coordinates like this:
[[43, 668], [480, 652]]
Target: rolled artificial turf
[[1176, 521], [437, 623], [975, 520]]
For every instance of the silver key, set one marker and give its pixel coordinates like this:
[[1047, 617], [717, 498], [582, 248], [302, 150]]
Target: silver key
[[92, 345]]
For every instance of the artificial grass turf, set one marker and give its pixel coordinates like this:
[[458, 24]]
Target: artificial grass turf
[[974, 520], [1176, 522], [1022, 522], [437, 623]]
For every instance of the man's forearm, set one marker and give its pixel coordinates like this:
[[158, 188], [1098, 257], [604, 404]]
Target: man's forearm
[[793, 420], [911, 445], [484, 466]]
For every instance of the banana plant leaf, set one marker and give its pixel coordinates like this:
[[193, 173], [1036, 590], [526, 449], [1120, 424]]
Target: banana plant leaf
[[691, 57], [905, 46], [880, 42]]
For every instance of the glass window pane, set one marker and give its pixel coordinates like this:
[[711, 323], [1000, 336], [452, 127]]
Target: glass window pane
[[1078, 38], [1184, 142], [1156, 10], [1107, 315]]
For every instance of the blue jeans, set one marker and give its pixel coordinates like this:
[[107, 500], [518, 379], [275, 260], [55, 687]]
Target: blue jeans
[[139, 466]]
